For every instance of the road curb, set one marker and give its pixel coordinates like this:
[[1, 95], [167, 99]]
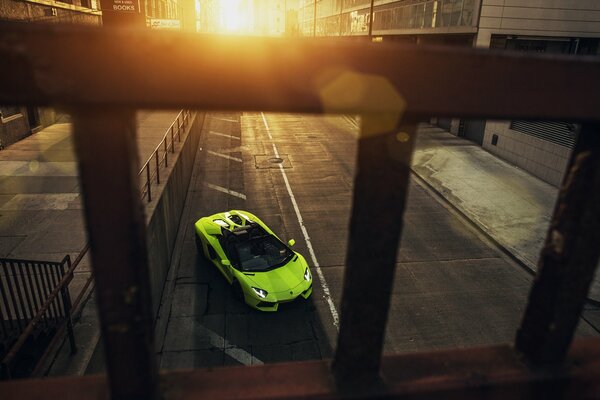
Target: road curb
[[480, 228]]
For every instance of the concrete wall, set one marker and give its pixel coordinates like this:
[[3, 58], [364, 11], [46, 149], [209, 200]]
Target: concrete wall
[[164, 217], [14, 128], [546, 160], [566, 18]]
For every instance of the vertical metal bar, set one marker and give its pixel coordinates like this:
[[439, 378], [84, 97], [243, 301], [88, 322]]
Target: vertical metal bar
[[178, 129], [13, 298], [166, 154], [148, 181], [30, 271], [67, 305], [568, 259], [40, 288], [49, 287], [8, 319], [381, 159], [116, 227], [172, 140], [157, 168], [3, 321], [57, 273], [26, 289], [15, 267], [5, 298]]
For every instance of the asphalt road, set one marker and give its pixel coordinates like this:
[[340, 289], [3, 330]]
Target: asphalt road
[[453, 288]]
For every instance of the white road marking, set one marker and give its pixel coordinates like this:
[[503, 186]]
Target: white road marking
[[231, 350], [226, 119], [223, 135], [351, 121], [326, 291], [225, 190], [214, 153]]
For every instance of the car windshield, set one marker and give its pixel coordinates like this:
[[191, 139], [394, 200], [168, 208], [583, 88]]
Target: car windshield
[[262, 254]]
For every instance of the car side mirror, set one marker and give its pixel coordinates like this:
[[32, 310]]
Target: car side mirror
[[226, 263], [291, 242]]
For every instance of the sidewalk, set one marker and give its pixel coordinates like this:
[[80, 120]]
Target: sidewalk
[[509, 204], [41, 210]]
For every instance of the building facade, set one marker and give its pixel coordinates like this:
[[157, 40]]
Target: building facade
[[17, 122], [552, 26], [243, 17], [542, 26]]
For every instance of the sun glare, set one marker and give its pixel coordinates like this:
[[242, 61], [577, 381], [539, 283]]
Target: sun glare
[[235, 16]]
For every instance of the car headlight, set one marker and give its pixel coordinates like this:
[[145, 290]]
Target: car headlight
[[260, 292], [307, 274]]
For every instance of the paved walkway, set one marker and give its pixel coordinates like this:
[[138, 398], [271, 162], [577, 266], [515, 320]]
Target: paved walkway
[[512, 206], [41, 214]]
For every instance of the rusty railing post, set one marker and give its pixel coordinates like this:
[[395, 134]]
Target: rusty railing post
[[568, 259], [68, 307], [166, 153], [380, 192], [157, 168], [172, 140], [148, 182], [116, 227]]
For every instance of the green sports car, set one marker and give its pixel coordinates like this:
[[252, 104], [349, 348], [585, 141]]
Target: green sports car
[[262, 270]]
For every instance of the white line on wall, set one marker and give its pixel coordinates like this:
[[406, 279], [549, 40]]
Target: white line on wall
[[225, 190], [214, 153], [326, 291]]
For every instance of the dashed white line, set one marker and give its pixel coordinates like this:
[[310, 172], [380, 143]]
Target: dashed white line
[[225, 190], [325, 287], [224, 135], [214, 153], [232, 351]]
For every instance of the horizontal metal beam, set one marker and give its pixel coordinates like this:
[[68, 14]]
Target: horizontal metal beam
[[83, 66], [494, 372]]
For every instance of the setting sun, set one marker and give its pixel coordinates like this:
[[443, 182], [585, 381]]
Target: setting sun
[[235, 16]]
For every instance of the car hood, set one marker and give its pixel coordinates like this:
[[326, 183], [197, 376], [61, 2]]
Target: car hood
[[280, 279]]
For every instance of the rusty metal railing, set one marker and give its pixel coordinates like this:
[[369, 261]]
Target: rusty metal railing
[[173, 132], [34, 294], [392, 86]]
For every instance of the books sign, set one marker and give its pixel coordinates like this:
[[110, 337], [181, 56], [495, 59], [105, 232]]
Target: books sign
[[121, 5]]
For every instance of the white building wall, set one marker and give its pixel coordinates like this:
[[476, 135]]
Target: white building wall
[[565, 18], [546, 160], [537, 18]]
